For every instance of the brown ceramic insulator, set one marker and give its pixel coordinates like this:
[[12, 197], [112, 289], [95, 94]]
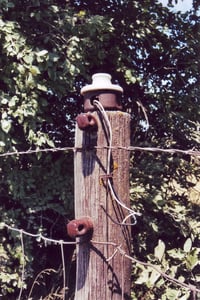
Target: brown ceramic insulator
[[80, 227], [86, 121], [110, 100]]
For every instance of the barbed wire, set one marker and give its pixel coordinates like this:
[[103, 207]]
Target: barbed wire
[[23, 266], [132, 213], [190, 152], [46, 240], [63, 268], [116, 249], [39, 236], [190, 287]]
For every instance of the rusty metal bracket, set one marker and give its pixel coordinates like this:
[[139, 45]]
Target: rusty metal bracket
[[103, 179], [80, 227]]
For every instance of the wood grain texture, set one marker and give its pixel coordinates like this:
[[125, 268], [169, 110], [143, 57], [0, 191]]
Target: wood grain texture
[[98, 278]]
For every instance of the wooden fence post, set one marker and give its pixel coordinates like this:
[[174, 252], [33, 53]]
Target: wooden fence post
[[103, 272]]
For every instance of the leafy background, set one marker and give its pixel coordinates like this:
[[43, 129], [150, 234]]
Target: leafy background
[[49, 50]]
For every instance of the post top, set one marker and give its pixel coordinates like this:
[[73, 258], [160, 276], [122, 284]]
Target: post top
[[101, 81]]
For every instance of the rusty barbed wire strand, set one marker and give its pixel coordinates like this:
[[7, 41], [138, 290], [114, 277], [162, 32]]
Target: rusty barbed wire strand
[[190, 152]]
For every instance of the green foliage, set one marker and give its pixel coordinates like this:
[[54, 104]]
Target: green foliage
[[49, 50], [169, 239]]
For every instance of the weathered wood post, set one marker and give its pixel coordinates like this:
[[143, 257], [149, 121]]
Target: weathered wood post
[[102, 270]]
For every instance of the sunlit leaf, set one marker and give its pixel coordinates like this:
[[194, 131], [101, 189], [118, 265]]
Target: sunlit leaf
[[6, 125], [159, 250], [187, 245]]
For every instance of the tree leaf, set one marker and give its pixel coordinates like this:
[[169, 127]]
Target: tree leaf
[[6, 125], [192, 259], [187, 245], [159, 250], [34, 70]]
